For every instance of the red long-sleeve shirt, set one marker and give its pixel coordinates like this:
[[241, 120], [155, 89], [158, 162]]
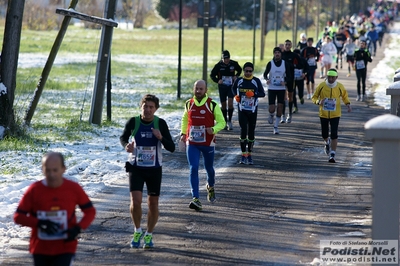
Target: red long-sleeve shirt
[[39, 197]]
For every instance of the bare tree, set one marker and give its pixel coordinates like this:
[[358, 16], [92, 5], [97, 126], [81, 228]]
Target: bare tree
[[9, 62]]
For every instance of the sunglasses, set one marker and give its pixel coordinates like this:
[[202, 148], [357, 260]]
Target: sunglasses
[[248, 71]]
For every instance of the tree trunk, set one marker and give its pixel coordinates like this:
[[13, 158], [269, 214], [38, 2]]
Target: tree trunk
[[281, 11], [140, 13], [9, 61]]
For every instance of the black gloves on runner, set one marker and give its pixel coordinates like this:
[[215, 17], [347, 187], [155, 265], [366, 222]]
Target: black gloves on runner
[[48, 226], [72, 232]]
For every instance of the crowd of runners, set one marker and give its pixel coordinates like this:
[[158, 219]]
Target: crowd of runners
[[49, 208]]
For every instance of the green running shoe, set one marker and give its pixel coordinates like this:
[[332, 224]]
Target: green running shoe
[[137, 236], [148, 241], [210, 194], [195, 204]]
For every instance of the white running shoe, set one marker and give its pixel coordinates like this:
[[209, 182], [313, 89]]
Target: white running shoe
[[289, 118], [276, 131], [229, 124], [271, 119]]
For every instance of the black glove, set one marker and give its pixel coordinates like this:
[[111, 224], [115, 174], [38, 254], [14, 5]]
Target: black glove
[[72, 232], [48, 226]]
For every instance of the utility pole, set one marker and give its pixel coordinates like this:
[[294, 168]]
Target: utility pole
[[254, 32], [205, 39], [223, 24], [180, 51], [276, 22], [262, 26]]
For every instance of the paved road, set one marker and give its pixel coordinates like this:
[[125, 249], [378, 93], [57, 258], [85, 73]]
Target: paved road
[[272, 213]]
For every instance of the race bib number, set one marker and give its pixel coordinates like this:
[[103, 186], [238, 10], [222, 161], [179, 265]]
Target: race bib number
[[197, 134], [360, 64], [277, 79], [247, 103], [146, 156], [311, 61], [227, 80], [329, 104], [59, 217], [298, 73]]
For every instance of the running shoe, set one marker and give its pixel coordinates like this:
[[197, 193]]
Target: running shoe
[[271, 119], [148, 241], [137, 236], [308, 96], [349, 75], [210, 194], [332, 158], [249, 160], [328, 147], [362, 97], [230, 126], [302, 100], [276, 131], [283, 119], [295, 110], [289, 118], [358, 98], [243, 160], [195, 204]]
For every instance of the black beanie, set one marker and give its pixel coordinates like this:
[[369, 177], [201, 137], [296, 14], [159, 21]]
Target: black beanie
[[248, 64], [226, 54], [277, 49]]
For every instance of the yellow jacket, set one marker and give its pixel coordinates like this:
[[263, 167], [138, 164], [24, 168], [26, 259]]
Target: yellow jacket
[[331, 107]]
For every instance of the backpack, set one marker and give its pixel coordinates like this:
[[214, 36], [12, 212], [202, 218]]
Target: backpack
[[137, 123]]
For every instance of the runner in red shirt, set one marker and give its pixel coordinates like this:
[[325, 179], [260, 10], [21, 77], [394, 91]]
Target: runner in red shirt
[[48, 207]]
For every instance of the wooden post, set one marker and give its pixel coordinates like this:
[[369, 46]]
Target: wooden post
[[68, 14], [49, 63], [384, 131], [102, 66]]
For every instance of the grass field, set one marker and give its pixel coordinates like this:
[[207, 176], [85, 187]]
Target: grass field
[[143, 61]]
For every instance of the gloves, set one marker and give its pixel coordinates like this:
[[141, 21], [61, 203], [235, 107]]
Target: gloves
[[48, 226], [72, 232], [237, 98], [249, 94]]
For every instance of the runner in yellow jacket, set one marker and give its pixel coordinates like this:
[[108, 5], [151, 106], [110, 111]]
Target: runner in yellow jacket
[[327, 95]]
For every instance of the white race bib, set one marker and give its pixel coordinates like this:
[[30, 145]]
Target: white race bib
[[59, 217], [329, 104], [360, 64], [298, 73], [146, 156], [227, 80], [247, 103], [197, 134], [311, 61], [277, 79]]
